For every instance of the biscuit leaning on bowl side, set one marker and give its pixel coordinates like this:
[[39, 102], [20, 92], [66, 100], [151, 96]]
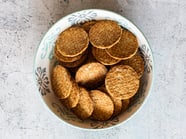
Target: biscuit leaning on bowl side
[[72, 42], [105, 34], [72, 100], [136, 62], [85, 106], [102, 56], [122, 82], [91, 74], [61, 82], [125, 48], [103, 105]]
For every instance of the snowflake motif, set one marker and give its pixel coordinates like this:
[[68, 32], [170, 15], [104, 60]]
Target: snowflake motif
[[42, 80], [82, 17], [144, 51], [102, 124]]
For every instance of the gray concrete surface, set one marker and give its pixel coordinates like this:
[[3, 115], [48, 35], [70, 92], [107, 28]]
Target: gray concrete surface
[[24, 22]]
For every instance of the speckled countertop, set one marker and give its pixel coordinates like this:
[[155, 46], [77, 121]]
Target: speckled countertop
[[24, 22]]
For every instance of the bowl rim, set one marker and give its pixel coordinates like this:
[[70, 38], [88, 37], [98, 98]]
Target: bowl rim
[[84, 128]]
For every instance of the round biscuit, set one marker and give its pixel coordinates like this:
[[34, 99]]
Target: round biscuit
[[122, 82], [91, 74], [105, 34], [72, 42], [117, 102], [136, 62], [61, 82], [103, 105], [117, 106], [85, 106], [102, 56], [125, 48]]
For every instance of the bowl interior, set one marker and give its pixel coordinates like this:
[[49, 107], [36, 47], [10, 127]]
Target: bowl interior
[[44, 63]]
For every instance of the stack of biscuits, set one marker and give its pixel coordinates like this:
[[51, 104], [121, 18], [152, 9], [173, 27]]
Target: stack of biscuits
[[99, 69]]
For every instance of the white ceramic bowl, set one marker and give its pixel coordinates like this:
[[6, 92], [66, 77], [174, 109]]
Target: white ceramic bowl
[[44, 62]]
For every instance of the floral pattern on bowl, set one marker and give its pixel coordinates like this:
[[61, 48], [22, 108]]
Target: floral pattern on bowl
[[44, 62]]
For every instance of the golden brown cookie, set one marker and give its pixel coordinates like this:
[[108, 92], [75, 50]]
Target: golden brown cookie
[[117, 106], [122, 82], [136, 62], [117, 102], [85, 106], [105, 34], [62, 58], [125, 48], [72, 42], [103, 105], [72, 100], [75, 63], [91, 74], [102, 56], [61, 82]]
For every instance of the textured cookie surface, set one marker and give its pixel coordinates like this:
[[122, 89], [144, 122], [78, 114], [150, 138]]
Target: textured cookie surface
[[125, 48], [62, 58], [72, 42], [103, 105], [84, 107], [105, 34], [72, 100], [122, 82], [61, 82], [136, 62], [91, 74], [75, 63], [117, 102], [103, 57], [117, 106]]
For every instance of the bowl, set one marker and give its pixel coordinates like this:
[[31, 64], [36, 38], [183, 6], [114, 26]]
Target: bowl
[[44, 62]]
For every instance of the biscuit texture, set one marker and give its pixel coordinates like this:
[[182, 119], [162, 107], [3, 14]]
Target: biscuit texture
[[125, 48], [85, 106], [91, 74], [103, 105], [75, 63], [72, 42], [62, 58], [103, 57], [122, 82], [136, 62], [61, 82], [105, 34], [72, 100]]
